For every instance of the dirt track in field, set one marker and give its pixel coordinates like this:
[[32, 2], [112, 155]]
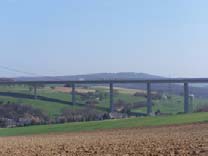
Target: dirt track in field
[[68, 90], [171, 140]]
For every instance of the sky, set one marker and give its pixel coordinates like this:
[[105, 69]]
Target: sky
[[68, 37]]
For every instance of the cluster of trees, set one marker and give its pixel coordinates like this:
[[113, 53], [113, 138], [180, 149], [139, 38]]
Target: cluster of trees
[[155, 96], [93, 95], [93, 98], [82, 114], [12, 115], [16, 115], [203, 108], [124, 107]]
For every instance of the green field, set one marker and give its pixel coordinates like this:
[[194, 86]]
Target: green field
[[55, 102], [107, 124], [58, 101], [61, 100]]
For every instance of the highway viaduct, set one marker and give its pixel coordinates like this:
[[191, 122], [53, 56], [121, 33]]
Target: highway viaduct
[[148, 82]]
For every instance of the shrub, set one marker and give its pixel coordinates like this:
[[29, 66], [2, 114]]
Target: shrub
[[20, 115], [83, 114], [203, 108], [123, 107], [155, 96]]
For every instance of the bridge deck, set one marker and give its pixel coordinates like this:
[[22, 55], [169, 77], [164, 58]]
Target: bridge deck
[[173, 80]]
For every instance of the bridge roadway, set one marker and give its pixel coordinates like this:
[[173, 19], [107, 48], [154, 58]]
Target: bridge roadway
[[184, 81]]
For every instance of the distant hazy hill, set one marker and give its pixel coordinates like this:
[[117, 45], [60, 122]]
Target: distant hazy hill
[[170, 88], [98, 76]]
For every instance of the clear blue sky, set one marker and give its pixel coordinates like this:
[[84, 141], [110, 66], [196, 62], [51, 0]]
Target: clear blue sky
[[64, 37]]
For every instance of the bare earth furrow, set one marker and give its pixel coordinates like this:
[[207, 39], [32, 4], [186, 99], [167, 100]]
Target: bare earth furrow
[[171, 140]]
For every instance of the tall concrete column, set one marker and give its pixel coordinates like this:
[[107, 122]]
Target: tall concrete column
[[111, 98], [73, 93], [149, 99], [186, 98], [35, 91]]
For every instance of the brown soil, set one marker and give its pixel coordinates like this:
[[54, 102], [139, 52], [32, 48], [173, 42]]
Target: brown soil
[[68, 90], [171, 140]]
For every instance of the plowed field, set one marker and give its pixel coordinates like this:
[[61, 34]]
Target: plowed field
[[170, 140]]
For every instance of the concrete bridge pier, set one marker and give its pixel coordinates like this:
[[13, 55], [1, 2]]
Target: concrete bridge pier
[[149, 99], [35, 91], [73, 93], [186, 98], [111, 98]]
